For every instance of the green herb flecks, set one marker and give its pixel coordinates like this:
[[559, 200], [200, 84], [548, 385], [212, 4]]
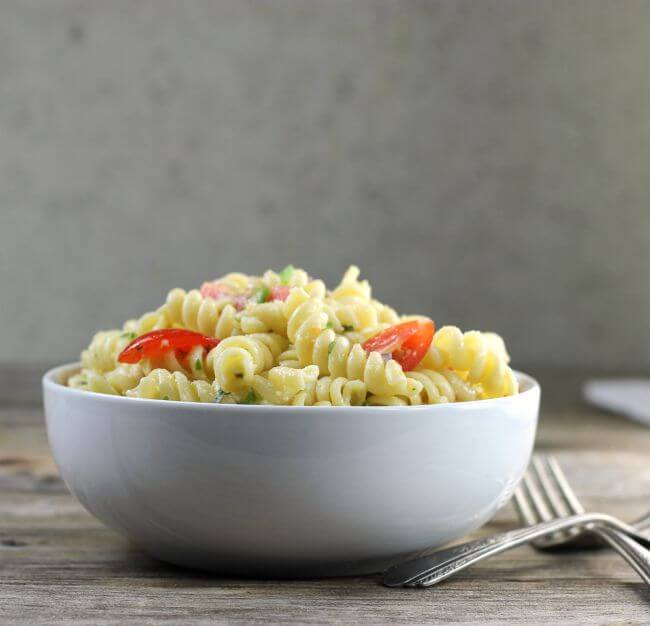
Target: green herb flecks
[[329, 325], [261, 295], [286, 274], [221, 394], [251, 398], [165, 397], [128, 335], [330, 347], [198, 366], [347, 328]]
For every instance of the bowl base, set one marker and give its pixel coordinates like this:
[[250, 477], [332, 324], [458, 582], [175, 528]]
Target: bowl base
[[265, 570]]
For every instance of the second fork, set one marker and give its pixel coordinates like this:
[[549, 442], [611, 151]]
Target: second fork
[[545, 494]]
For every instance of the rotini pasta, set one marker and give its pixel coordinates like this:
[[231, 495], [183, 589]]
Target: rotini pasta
[[195, 364], [340, 392], [351, 286], [101, 354], [217, 318], [295, 278], [155, 320], [289, 358], [336, 356], [267, 317], [286, 385], [283, 338], [236, 360], [442, 386], [116, 382], [484, 359], [238, 282], [355, 315], [163, 385]]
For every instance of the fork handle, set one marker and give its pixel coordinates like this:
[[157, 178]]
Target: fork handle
[[635, 554], [430, 569]]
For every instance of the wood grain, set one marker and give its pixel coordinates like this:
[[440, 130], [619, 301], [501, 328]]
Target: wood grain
[[59, 566]]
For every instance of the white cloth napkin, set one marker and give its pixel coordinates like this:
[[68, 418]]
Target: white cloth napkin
[[628, 396]]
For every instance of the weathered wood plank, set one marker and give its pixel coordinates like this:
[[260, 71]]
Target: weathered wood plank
[[199, 600]]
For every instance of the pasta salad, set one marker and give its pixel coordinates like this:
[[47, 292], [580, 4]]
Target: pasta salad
[[284, 338]]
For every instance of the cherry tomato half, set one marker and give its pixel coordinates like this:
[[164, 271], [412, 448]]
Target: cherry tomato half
[[158, 342], [407, 343]]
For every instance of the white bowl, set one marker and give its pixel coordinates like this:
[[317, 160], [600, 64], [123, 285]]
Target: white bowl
[[288, 491]]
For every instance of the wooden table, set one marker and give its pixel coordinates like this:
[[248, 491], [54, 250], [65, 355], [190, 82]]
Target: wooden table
[[60, 566]]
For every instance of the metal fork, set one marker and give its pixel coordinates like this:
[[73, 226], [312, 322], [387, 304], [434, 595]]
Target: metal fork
[[430, 569], [545, 494]]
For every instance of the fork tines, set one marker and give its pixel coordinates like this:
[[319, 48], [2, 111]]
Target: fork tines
[[545, 494]]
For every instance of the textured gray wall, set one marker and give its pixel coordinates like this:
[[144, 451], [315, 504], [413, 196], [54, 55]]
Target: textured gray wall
[[483, 162]]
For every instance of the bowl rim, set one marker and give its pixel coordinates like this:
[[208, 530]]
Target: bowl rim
[[51, 382]]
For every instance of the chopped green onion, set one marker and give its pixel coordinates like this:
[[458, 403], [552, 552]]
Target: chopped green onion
[[330, 347], [250, 398], [347, 328], [129, 335], [261, 295], [285, 274], [197, 365], [220, 395], [329, 325], [165, 397]]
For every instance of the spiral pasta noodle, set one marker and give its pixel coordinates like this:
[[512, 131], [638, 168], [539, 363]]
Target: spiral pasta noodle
[[286, 385], [442, 386], [355, 315], [336, 356], [101, 354], [483, 359], [238, 282], [195, 364], [154, 320], [115, 382], [267, 317], [189, 309], [340, 391], [163, 385], [236, 360], [283, 338], [385, 314], [431, 387], [289, 358], [351, 286], [297, 278]]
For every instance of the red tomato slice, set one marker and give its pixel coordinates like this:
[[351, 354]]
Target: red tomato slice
[[407, 343], [280, 292], [158, 342]]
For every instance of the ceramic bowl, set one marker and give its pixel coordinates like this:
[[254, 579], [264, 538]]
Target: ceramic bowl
[[288, 491]]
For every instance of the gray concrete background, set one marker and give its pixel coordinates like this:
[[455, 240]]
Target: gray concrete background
[[483, 162]]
